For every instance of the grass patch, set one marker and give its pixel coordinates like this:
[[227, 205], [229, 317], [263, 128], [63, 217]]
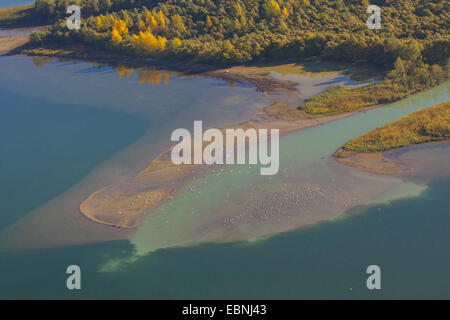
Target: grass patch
[[427, 125], [341, 99]]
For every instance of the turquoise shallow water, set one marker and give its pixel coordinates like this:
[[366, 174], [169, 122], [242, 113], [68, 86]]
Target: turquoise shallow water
[[42, 122], [304, 161], [407, 239]]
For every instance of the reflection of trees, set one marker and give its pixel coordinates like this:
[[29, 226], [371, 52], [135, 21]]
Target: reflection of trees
[[149, 76], [146, 75], [40, 61], [124, 72]]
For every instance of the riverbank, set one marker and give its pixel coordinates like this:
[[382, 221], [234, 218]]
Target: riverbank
[[238, 74], [9, 44], [430, 125], [14, 37], [125, 205], [305, 190], [375, 162]]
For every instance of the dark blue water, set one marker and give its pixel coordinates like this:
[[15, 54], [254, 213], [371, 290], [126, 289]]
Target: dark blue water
[[407, 239], [46, 147]]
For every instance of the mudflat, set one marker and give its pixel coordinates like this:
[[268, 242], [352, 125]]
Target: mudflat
[[8, 44]]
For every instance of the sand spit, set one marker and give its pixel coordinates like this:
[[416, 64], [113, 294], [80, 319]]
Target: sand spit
[[373, 162], [382, 162], [122, 209], [125, 205], [257, 77], [122, 205], [8, 44]]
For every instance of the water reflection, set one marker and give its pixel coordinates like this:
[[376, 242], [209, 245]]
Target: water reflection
[[145, 75]]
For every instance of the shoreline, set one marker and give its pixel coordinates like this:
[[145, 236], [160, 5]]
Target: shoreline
[[161, 175], [106, 205], [240, 73], [373, 162], [9, 44], [230, 73], [126, 205], [377, 162]]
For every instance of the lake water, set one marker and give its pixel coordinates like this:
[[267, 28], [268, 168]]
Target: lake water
[[15, 32], [10, 4], [14, 3], [68, 129]]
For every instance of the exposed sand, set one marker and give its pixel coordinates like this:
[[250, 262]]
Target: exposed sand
[[376, 162], [123, 203], [109, 204], [373, 162], [8, 44], [124, 206], [257, 77]]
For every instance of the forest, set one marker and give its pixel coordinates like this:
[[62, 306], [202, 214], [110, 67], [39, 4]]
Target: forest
[[426, 125], [228, 31], [412, 45]]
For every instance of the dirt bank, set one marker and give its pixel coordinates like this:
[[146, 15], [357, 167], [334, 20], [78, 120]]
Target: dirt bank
[[125, 205], [373, 162], [9, 44]]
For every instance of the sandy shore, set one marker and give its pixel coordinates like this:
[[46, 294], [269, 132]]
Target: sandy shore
[[373, 162], [157, 191], [8, 44], [125, 205], [376, 162]]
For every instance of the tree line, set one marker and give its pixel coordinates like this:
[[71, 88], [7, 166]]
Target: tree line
[[413, 44], [247, 30]]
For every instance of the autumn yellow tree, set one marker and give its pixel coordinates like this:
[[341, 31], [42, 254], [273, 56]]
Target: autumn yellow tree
[[147, 42], [176, 42], [239, 10], [115, 36], [141, 25], [273, 8], [153, 24], [127, 18], [147, 17], [99, 23], [209, 22], [121, 27], [161, 20]]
